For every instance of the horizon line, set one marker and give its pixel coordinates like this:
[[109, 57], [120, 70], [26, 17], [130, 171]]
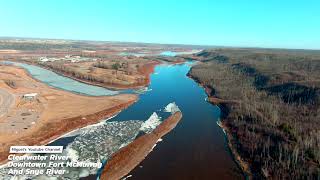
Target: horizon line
[[178, 44]]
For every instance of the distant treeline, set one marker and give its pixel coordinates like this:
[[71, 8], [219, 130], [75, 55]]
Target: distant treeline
[[34, 46]]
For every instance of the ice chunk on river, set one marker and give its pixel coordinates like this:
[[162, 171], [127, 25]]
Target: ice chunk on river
[[101, 141], [150, 124], [97, 143], [172, 108], [94, 144]]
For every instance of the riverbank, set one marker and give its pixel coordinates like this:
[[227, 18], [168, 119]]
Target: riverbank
[[51, 113], [277, 109], [127, 158], [231, 140]]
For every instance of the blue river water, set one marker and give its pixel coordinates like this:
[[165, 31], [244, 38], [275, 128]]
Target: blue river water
[[195, 149]]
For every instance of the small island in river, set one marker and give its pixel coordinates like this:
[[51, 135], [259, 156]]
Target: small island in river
[[128, 157]]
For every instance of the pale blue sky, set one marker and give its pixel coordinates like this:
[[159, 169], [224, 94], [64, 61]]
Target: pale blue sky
[[253, 23]]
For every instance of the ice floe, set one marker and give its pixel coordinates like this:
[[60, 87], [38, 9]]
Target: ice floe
[[150, 124], [172, 108], [78, 131], [96, 143], [100, 142]]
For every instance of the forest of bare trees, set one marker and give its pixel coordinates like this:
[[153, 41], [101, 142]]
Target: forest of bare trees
[[276, 123], [61, 68]]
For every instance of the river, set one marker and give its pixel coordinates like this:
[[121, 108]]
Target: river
[[196, 148]]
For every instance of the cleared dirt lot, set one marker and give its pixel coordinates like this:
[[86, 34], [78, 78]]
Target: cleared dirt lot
[[51, 113]]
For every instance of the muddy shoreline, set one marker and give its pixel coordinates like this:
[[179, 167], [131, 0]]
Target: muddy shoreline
[[223, 106], [244, 166]]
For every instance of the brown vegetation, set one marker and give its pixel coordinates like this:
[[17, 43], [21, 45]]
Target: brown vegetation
[[10, 83], [118, 74], [274, 125]]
